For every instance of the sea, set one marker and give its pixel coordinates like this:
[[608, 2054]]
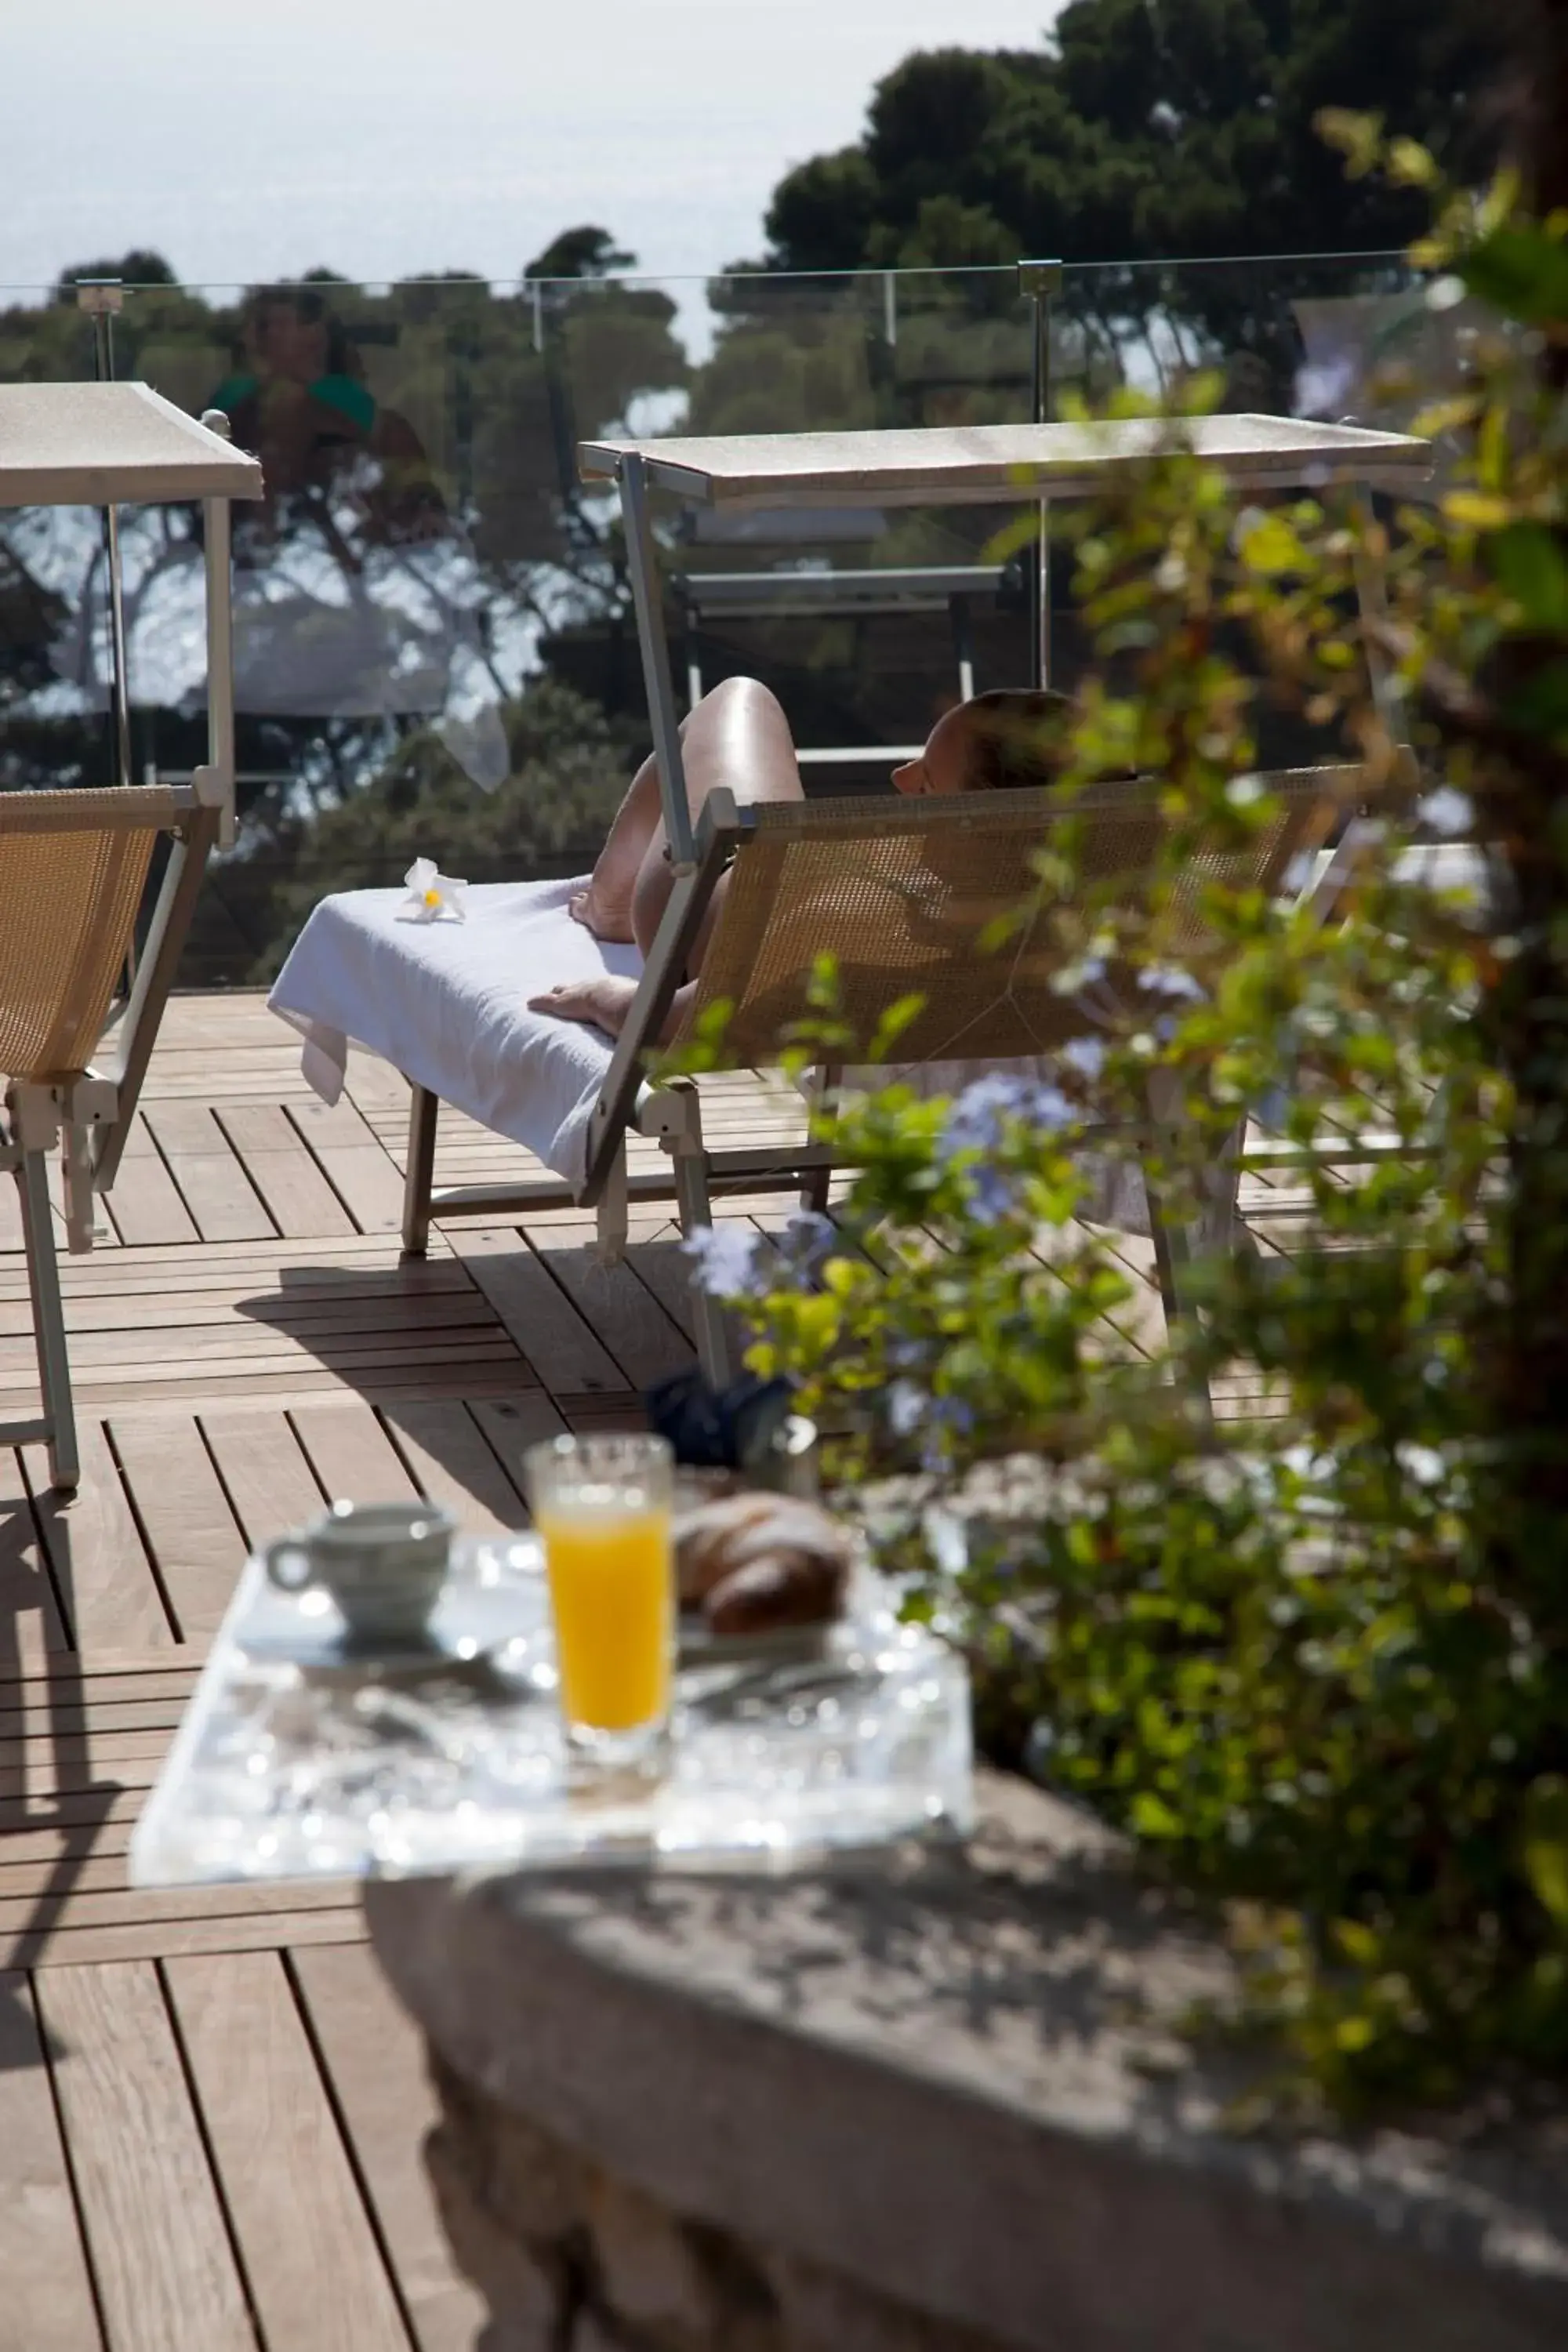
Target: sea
[[392, 139]]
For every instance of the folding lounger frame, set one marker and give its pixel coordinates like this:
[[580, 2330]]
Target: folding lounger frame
[[78, 859], [1001, 464]]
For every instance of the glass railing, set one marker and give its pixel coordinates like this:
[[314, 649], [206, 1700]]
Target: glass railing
[[433, 643]]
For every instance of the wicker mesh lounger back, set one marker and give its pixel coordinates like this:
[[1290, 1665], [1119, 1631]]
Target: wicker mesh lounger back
[[72, 869], [900, 896]]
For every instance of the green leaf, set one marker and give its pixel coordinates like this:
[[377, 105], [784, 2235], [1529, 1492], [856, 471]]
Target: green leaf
[[1152, 1818], [1540, 706], [1478, 511], [1270, 546], [1358, 1942], [1411, 165], [892, 1025], [1544, 1850], [1521, 271], [1531, 563]]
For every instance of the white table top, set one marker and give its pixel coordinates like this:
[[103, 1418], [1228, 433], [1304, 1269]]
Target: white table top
[[94, 444], [992, 464]]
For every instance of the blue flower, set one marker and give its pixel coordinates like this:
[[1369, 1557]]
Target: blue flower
[[910, 1407], [1086, 1056], [946, 1417], [1169, 980], [807, 1242], [981, 1116], [1447, 812], [907, 1406], [727, 1262], [979, 1122]]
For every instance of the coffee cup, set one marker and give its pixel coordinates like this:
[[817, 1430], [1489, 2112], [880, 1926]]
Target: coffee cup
[[382, 1563]]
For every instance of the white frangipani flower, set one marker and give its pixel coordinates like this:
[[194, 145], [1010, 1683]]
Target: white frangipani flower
[[432, 898]]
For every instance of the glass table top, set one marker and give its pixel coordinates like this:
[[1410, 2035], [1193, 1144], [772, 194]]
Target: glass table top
[[300, 1756]]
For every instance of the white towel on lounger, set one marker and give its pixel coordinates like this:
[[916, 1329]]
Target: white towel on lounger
[[448, 1004]]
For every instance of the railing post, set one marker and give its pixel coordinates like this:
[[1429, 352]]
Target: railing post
[[215, 536], [1039, 280], [648, 599], [102, 299]]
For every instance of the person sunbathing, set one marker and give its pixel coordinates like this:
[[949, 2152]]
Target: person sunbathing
[[738, 738]]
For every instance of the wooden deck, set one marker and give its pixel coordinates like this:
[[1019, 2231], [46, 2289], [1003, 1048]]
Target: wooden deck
[[210, 2109]]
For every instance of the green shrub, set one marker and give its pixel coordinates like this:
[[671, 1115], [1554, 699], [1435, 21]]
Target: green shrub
[[1312, 1653]]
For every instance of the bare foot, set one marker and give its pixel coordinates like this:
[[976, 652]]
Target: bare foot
[[584, 908], [603, 1002]]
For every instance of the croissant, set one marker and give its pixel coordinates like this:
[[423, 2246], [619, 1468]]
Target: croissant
[[755, 1561], [781, 1586]]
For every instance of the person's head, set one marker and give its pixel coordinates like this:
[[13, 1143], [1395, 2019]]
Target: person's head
[[1009, 737], [293, 331]]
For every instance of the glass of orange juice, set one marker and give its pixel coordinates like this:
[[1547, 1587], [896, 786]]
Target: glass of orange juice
[[603, 1509]]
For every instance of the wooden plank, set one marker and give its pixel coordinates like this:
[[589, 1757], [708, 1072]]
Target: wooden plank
[[378, 1090], [615, 1305], [49, 1855], [196, 1541], [67, 1809], [163, 1939], [584, 1415], [665, 1269], [452, 1462], [352, 1455], [67, 1709], [72, 1906], [123, 1675], [144, 1202], [90, 1753], [335, 1253], [359, 1359], [39, 1783], [327, 1267], [300, 1201], [109, 1595], [354, 1162], [237, 1335], [49, 2305], [92, 1823], [316, 2271], [154, 2229], [221, 1199], [75, 1869], [514, 1423], [161, 1308], [374, 2057], [30, 1625], [248, 1381], [553, 1335], [10, 1215], [270, 1484]]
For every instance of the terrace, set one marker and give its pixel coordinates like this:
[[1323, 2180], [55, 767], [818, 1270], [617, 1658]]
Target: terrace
[[210, 2106]]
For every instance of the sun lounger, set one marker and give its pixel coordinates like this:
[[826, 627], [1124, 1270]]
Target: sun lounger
[[74, 865], [900, 892]]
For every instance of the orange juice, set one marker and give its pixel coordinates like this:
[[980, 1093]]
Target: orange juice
[[612, 1592]]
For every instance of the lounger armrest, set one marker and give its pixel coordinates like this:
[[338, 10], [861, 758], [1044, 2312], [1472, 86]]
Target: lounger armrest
[[720, 828]]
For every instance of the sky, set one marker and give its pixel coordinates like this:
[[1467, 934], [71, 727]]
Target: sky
[[395, 138]]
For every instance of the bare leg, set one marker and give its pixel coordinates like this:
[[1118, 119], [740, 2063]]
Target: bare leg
[[605, 907], [736, 736]]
